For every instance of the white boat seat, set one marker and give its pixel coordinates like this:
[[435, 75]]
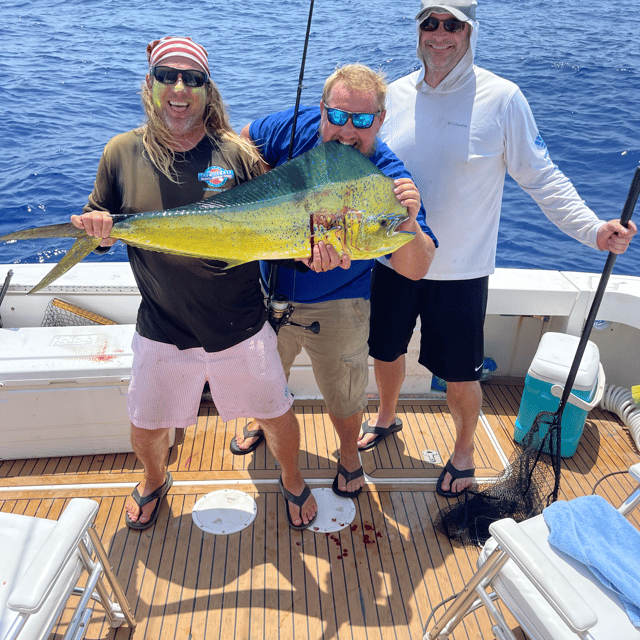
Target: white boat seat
[[549, 594], [41, 563]]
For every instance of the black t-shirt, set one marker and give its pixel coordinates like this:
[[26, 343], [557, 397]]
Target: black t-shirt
[[188, 302]]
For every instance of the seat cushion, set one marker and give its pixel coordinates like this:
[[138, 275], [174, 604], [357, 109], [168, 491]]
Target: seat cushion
[[536, 616], [21, 537]]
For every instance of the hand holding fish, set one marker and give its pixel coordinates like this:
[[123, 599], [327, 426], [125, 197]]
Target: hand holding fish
[[613, 237], [413, 259], [97, 224], [326, 258], [409, 197]]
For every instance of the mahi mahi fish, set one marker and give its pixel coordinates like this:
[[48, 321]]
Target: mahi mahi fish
[[331, 194]]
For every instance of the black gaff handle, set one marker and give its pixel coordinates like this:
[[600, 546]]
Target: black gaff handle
[[627, 212], [632, 198]]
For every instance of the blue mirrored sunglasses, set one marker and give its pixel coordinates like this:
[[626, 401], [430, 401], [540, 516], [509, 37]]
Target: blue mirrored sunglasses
[[169, 75], [339, 118], [451, 25]]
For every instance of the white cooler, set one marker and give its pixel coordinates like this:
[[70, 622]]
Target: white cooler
[[544, 386], [63, 391]]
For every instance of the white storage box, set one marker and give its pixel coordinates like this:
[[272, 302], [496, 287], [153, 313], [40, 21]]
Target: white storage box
[[63, 391]]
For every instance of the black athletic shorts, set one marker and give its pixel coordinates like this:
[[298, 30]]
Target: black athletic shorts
[[451, 316]]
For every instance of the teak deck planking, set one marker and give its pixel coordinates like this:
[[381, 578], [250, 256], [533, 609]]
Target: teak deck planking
[[377, 579]]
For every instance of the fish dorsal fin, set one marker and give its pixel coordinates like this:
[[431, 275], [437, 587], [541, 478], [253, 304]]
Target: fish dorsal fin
[[328, 163]]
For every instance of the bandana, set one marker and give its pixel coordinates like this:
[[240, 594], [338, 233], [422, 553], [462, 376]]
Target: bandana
[[160, 50]]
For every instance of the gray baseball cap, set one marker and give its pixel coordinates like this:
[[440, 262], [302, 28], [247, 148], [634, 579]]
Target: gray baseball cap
[[464, 10]]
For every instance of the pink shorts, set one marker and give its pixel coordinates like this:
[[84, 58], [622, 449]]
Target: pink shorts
[[246, 380]]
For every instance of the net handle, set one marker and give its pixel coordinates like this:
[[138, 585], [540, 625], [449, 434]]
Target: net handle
[[627, 212]]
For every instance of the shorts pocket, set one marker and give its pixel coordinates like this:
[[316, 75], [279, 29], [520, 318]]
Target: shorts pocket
[[361, 310]]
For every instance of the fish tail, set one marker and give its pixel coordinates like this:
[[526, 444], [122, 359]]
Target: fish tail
[[82, 247], [64, 230]]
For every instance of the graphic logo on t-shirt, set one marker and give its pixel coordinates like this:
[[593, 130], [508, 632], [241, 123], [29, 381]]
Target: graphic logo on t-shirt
[[215, 177], [541, 144]]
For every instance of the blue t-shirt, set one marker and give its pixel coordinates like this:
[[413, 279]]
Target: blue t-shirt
[[272, 135]]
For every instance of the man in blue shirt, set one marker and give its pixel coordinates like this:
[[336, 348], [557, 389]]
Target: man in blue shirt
[[351, 112]]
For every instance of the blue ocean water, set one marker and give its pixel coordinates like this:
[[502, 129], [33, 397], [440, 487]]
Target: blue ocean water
[[72, 70]]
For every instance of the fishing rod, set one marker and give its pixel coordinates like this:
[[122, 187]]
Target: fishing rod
[[4, 289], [278, 306], [300, 81]]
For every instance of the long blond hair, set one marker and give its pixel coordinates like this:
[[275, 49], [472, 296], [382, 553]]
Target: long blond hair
[[158, 141]]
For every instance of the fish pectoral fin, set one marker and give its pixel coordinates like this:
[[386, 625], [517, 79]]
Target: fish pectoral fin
[[81, 247]]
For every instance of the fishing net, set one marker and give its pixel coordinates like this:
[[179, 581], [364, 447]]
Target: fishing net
[[64, 314], [521, 491]]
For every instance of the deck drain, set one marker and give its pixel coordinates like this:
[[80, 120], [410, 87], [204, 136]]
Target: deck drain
[[334, 513], [224, 512]]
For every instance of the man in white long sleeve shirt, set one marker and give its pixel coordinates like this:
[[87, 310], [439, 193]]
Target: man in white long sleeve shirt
[[458, 128]]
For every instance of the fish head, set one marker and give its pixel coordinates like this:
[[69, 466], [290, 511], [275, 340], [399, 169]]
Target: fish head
[[374, 235], [371, 226]]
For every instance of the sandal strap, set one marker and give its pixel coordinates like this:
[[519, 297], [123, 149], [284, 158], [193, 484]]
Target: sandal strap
[[350, 475], [142, 500], [459, 473], [297, 500], [378, 431], [254, 433]]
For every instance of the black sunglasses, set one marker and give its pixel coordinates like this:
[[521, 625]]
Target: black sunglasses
[[451, 25], [339, 118], [169, 75]]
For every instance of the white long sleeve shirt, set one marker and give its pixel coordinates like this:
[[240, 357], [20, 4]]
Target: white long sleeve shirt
[[457, 140]]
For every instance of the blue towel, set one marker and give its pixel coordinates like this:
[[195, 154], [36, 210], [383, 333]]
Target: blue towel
[[591, 531]]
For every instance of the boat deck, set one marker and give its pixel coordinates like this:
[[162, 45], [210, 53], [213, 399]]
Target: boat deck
[[378, 578]]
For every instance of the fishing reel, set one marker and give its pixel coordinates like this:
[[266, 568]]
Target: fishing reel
[[280, 309]]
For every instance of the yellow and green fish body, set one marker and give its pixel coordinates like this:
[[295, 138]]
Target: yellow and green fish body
[[331, 194], [271, 230]]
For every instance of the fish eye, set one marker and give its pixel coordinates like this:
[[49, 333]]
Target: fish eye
[[384, 222]]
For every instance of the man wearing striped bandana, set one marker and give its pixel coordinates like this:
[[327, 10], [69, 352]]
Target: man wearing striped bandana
[[197, 322]]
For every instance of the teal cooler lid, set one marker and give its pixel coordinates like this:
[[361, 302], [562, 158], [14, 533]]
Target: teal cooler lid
[[555, 356]]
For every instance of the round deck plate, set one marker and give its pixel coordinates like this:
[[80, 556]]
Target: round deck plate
[[224, 512], [334, 513]]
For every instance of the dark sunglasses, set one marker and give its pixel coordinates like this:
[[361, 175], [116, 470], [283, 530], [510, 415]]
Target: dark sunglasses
[[339, 118], [451, 25], [169, 75]]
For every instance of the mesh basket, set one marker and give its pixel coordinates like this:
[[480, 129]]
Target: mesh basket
[[64, 314]]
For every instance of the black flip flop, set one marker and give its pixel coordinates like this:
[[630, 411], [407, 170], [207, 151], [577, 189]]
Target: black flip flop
[[455, 474], [380, 432], [158, 494], [298, 501], [348, 476], [259, 433]]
